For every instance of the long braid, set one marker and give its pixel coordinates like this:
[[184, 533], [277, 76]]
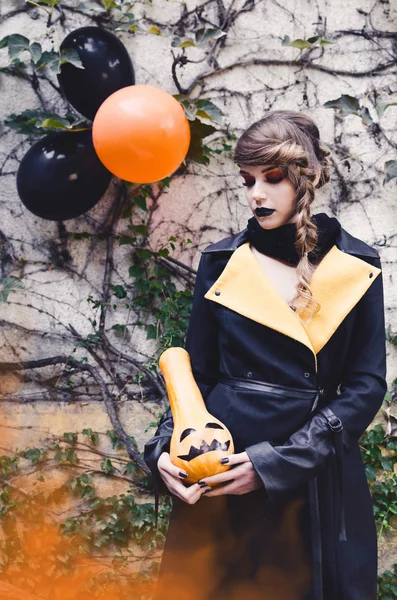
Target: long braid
[[306, 238]]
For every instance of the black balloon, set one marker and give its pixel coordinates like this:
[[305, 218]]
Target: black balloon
[[107, 68], [61, 177]]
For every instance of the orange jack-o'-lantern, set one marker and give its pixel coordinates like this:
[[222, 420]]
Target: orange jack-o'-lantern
[[199, 439]]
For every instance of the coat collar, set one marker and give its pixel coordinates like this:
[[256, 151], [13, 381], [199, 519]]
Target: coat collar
[[345, 242], [338, 283]]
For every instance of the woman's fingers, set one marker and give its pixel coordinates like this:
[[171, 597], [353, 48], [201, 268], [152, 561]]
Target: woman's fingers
[[173, 478], [190, 494], [228, 475], [229, 488], [235, 459], [164, 464], [236, 480]]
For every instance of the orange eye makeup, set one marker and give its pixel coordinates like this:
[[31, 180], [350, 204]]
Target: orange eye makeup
[[273, 176]]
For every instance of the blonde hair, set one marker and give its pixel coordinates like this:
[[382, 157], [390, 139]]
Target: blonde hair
[[291, 140]]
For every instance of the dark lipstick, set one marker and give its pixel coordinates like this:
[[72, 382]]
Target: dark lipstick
[[264, 212]]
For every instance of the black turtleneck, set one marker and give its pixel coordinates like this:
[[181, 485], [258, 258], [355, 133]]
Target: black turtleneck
[[280, 242]]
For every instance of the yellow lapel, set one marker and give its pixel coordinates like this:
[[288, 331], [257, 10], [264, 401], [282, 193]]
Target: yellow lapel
[[338, 283]]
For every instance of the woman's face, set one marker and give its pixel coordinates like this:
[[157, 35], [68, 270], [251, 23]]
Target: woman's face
[[270, 195]]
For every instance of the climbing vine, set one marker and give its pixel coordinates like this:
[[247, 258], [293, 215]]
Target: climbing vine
[[96, 547]]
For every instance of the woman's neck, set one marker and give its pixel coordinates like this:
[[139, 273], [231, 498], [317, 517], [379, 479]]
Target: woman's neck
[[282, 275]]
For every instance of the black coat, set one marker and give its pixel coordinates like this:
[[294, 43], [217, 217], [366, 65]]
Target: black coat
[[310, 532]]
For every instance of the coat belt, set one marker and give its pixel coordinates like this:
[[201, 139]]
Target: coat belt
[[319, 395]]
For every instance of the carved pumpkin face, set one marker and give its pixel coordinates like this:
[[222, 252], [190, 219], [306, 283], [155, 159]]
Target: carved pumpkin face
[[199, 449], [201, 439]]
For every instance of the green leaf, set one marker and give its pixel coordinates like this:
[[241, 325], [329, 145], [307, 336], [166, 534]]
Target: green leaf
[[16, 44], [154, 30], [143, 253], [140, 201], [365, 115], [120, 328], [9, 284], [109, 4], [119, 291], [35, 51], [208, 110], [49, 2], [136, 271], [198, 131], [303, 44], [35, 454], [300, 44], [4, 42], [116, 442], [70, 437], [140, 229], [27, 122], [163, 252], [346, 104], [51, 123], [177, 42], [205, 35], [51, 60], [151, 332], [70, 55], [92, 435], [127, 240], [371, 472], [130, 469], [189, 106], [107, 466], [386, 464], [381, 107], [390, 170]]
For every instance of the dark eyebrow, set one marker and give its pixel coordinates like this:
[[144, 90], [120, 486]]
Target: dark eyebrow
[[263, 170]]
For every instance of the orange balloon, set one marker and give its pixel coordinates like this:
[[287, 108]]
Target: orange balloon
[[141, 133]]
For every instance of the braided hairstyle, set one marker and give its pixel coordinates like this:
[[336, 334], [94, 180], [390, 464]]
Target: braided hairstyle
[[291, 140]]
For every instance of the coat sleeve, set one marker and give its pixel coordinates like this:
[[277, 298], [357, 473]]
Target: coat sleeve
[[202, 346], [334, 428], [202, 334]]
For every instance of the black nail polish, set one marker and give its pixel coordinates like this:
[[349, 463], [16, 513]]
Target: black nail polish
[[206, 491], [182, 474], [224, 461], [202, 483]]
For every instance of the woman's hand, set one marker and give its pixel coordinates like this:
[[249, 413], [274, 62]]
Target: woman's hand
[[173, 478], [240, 479]]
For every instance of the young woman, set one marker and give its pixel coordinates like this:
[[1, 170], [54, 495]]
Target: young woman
[[287, 344]]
